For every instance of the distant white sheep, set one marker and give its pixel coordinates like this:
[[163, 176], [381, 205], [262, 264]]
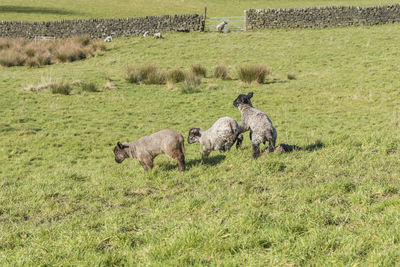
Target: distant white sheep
[[146, 34], [108, 39], [157, 35], [220, 27]]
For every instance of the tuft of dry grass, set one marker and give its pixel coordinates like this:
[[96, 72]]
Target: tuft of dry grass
[[222, 72], [191, 82], [89, 87], [132, 75], [109, 85], [198, 70], [19, 52], [253, 73], [146, 74], [175, 76], [63, 88]]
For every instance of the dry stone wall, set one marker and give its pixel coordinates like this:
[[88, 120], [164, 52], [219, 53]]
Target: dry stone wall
[[321, 17], [99, 28]]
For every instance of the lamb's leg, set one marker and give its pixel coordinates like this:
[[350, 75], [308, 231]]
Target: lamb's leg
[[239, 140], [205, 153], [251, 135], [144, 165], [271, 146], [256, 150], [148, 164], [180, 157], [181, 163]]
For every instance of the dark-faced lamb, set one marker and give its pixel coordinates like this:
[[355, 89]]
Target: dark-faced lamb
[[148, 147], [260, 126], [220, 136]]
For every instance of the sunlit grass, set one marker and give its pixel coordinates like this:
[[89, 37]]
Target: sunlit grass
[[64, 200]]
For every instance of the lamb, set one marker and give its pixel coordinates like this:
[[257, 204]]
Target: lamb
[[221, 136], [157, 35], [146, 34], [148, 147], [220, 27], [108, 39], [260, 126]]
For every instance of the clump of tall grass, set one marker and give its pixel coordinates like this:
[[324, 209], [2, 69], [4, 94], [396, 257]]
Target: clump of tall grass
[[19, 52], [62, 88], [146, 74], [89, 87], [191, 83], [222, 72], [175, 76], [198, 70], [253, 73], [132, 74]]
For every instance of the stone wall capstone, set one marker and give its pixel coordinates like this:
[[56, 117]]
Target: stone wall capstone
[[100, 28], [321, 17]]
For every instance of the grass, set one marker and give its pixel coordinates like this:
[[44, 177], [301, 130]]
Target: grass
[[20, 52], [191, 82], [253, 73], [145, 74], [64, 201], [175, 76], [73, 9], [89, 87], [62, 88], [198, 70], [222, 72]]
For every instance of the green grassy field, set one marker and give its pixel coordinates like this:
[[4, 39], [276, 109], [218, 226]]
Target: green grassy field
[[64, 200], [73, 9]]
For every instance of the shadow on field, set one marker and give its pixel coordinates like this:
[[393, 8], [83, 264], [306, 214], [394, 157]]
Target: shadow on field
[[41, 10], [315, 146], [210, 161], [275, 81]]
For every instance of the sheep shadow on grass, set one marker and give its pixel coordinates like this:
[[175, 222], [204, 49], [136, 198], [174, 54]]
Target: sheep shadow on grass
[[209, 161]]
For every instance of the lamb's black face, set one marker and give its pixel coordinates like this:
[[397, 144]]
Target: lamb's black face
[[243, 99], [119, 152], [194, 135]]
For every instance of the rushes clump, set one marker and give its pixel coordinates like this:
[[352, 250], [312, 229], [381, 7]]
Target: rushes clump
[[146, 74], [191, 83], [198, 70], [253, 73], [89, 87], [175, 76], [62, 88], [19, 52], [222, 72], [132, 75]]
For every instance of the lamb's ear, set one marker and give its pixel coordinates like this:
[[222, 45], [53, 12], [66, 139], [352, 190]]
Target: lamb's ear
[[120, 146], [195, 131], [250, 95]]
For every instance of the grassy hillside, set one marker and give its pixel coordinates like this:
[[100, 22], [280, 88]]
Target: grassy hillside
[[64, 200], [72, 9]]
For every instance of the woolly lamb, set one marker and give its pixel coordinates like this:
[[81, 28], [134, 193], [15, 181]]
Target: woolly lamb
[[260, 126], [220, 27], [108, 39], [146, 34], [148, 147], [221, 136], [157, 35]]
